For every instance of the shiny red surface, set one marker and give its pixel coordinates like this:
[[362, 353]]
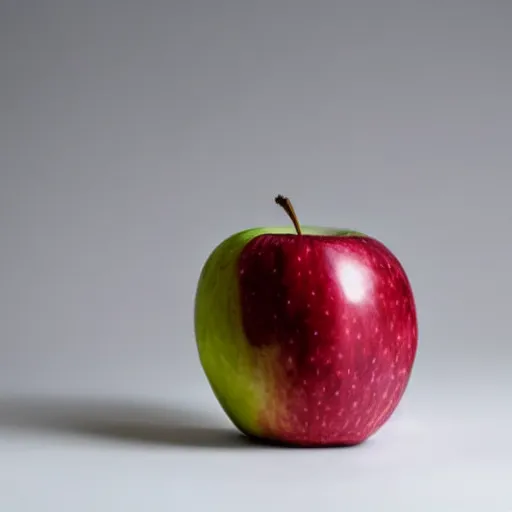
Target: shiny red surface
[[342, 312]]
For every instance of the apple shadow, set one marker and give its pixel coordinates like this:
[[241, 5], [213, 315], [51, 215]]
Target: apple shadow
[[131, 422], [120, 421]]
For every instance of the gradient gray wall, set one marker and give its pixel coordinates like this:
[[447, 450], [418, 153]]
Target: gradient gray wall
[[135, 136]]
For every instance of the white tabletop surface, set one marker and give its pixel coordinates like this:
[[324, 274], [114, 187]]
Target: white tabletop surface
[[110, 454]]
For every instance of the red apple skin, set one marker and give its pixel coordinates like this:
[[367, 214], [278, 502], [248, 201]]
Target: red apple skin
[[340, 313]]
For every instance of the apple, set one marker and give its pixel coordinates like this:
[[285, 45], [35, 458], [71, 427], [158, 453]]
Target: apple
[[306, 335]]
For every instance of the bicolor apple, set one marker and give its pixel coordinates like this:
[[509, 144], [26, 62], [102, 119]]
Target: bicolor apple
[[307, 335]]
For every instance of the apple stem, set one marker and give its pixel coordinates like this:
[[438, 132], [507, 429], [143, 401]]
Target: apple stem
[[286, 204]]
